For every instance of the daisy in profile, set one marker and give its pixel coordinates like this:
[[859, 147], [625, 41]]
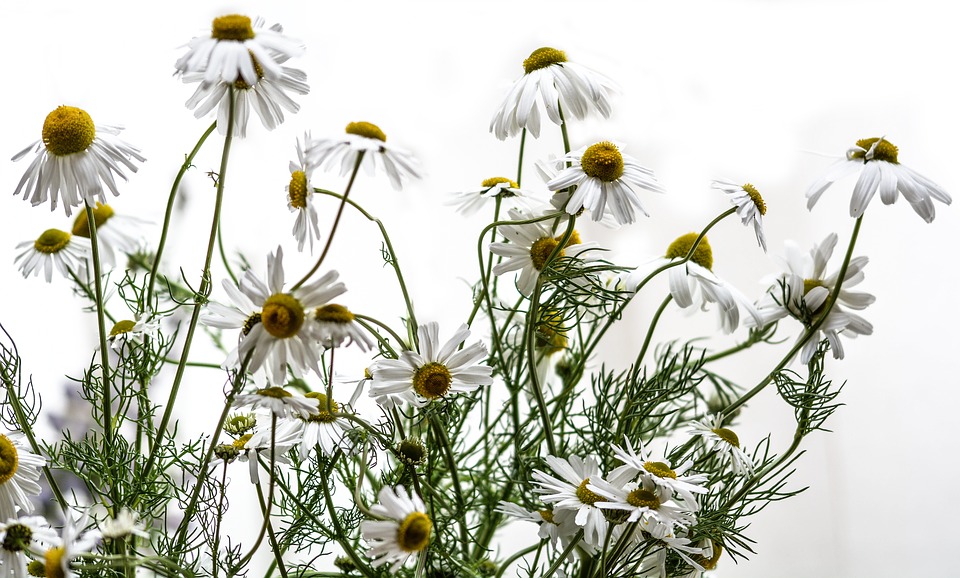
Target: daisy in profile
[[74, 160], [693, 284], [723, 440], [233, 47], [26, 534], [54, 248], [334, 324], [129, 331], [666, 540], [880, 170], [606, 181], [249, 447], [469, 202], [553, 526], [323, 429], [300, 197], [74, 540], [19, 472], [550, 81], [803, 289], [367, 139], [750, 206], [116, 234], [126, 523], [403, 530], [433, 372], [279, 401], [529, 247]]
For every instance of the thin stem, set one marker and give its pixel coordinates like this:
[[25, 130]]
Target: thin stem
[[523, 142], [277, 553], [441, 437], [653, 325]]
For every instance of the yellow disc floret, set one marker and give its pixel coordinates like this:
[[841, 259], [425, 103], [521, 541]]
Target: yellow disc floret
[[232, 27], [602, 161], [53, 562], [542, 58], [883, 150], [121, 327], [282, 315], [298, 190], [543, 247], [487, 183], [68, 130], [413, 534], [703, 255], [756, 198], [274, 392], [367, 129], [727, 435], [101, 214], [35, 568], [660, 469], [333, 313], [586, 496], [432, 380], [52, 241], [9, 459], [641, 498], [322, 415]]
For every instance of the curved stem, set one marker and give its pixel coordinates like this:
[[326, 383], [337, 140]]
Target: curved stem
[[653, 325]]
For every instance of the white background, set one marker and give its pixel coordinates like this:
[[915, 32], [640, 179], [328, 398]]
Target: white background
[[753, 91]]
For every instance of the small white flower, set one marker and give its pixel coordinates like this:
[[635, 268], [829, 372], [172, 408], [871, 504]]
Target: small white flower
[[53, 248], [606, 181], [659, 472], [645, 502], [880, 170], [75, 159], [128, 331], [300, 197], [279, 401], [19, 472], [750, 206], [404, 531], [529, 247], [249, 447], [334, 324], [75, 539], [724, 441], [666, 540], [26, 534], [323, 429], [469, 202], [126, 523], [225, 55], [366, 138], [555, 526], [116, 234], [434, 372], [550, 81]]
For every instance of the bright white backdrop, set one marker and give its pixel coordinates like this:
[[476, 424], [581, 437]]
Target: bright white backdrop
[[748, 90]]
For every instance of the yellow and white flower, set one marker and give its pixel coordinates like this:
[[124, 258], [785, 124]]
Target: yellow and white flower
[[74, 540], [300, 197], [19, 472], [53, 248], [323, 429], [121, 234], [279, 401], [469, 202], [18, 536], [368, 139], [404, 530], [333, 324], [750, 206], [724, 441]]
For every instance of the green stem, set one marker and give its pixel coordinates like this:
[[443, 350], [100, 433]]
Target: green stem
[[523, 143], [277, 552], [653, 325], [441, 437]]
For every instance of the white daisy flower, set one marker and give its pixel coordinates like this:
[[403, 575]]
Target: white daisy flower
[[300, 197], [269, 97], [74, 540], [724, 441], [435, 371], [658, 471], [279, 401], [750, 206], [880, 170], [404, 531], [225, 55], [333, 324], [469, 202], [323, 429], [133, 331], [644, 502], [694, 284], [666, 540], [248, 447], [529, 246], [366, 138], [550, 81], [803, 290], [121, 234], [19, 472], [555, 526], [26, 534], [606, 181], [54, 248], [126, 523], [75, 159]]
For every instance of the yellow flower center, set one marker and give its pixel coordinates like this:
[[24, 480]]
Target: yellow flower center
[[727, 436], [241, 442], [413, 534], [298, 190], [333, 313], [120, 327], [660, 469], [602, 161], [756, 198], [412, 451], [702, 256], [542, 58], [68, 130], [884, 151], [8, 459], [323, 416], [232, 27], [643, 499], [366, 129], [35, 568], [101, 214], [17, 538], [274, 392], [586, 496], [282, 315], [543, 247], [52, 241], [432, 380], [53, 563], [487, 183]]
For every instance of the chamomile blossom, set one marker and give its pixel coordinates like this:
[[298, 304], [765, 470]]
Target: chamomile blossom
[[53, 248], [26, 534], [130, 331], [550, 81], [555, 526], [300, 197], [333, 324], [126, 523], [804, 288], [643, 501], [248, 447], [693, 283], [364, 138], [877, 160], [403, 530], [19, 472], [434, 371], [658, 470], [666, 540], [233, 47], [724, 441], [323, 429], [280, 402], [529, 247], [75, 539], [469, 202], [606, 180], [750, 206], [116, 233], [75, 160]]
